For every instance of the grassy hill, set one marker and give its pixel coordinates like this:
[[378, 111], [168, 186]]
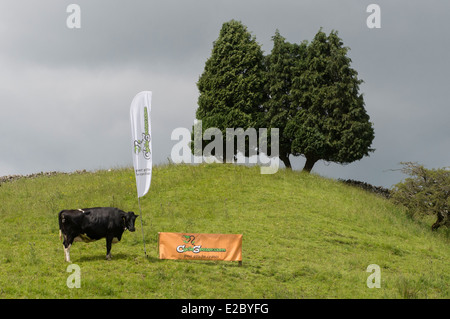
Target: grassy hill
[[304, 237]]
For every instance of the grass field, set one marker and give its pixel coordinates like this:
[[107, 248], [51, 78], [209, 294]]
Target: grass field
[[304, 237]]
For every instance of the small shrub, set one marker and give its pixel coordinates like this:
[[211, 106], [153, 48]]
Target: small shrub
[[426, 191]]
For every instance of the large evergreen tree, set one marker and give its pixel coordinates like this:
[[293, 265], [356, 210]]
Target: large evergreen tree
[[330, 122], [232, 84], [281, 70]]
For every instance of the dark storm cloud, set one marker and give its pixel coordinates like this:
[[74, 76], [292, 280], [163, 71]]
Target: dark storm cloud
[[65, 94]]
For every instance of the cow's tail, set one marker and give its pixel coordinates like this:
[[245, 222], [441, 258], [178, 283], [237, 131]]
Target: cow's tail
[[61, 223]]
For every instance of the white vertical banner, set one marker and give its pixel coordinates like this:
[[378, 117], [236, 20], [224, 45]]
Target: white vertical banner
[[142, 140]]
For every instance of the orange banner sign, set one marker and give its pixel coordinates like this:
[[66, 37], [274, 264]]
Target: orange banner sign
[[200, 246]]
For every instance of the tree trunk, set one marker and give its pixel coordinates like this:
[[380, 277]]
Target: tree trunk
[[286, 161], [310, 161]]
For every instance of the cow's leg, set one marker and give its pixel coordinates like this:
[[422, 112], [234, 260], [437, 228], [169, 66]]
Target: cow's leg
[[67, 243], [67, 253], [108, 246]]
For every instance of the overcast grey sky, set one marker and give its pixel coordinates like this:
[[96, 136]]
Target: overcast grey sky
[[65, 93]]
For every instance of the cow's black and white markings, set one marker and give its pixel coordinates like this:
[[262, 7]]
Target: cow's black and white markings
[[91, 224]]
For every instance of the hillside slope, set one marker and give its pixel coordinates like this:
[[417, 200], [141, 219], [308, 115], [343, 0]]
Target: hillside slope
[[304, 237]]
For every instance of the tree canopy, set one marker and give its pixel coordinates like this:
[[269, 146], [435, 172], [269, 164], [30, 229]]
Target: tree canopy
[[330, 122], [232, 84], [309, 91]]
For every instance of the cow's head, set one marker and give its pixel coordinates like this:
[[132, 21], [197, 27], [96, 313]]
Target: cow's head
[[129, 219]]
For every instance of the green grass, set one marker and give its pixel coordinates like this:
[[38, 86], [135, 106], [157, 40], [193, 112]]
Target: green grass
[[304, 237]]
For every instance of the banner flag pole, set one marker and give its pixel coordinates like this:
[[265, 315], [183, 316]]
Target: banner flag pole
[[142, 226], [142, 146]]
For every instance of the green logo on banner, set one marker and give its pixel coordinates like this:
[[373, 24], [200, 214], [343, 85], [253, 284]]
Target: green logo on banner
[[143, 145], [195, 248]]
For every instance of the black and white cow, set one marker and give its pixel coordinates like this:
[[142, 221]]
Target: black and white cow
[[91, 224]]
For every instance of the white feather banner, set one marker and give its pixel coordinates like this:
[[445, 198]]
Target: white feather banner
[[140, 111]]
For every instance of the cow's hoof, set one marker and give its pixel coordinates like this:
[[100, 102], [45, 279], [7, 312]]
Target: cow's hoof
[[108, 257]]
